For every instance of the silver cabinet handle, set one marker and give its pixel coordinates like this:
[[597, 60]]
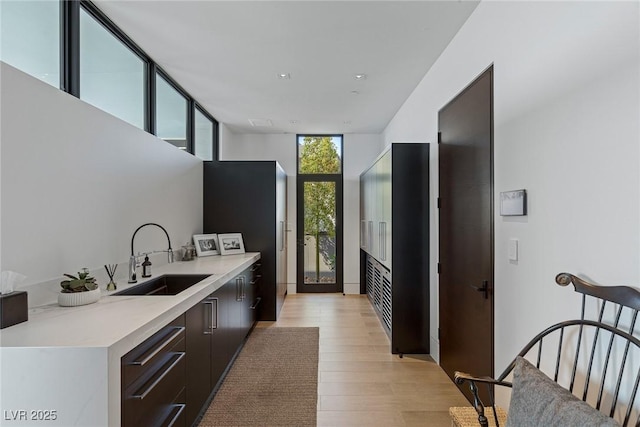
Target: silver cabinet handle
[[165, 372], [208, 319], [238, 294], [383, 240], [214, 319], [256, 280], [282, 236], [177, 331], [380, 242], [255, 304], [180, 407], [363, 234], [370, 233]]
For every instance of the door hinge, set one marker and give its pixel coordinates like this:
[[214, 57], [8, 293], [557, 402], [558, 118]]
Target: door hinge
[[439, 137], [438, 202], [438, 333], [439, 269]]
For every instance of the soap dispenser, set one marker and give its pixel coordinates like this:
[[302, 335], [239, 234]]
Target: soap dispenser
[[146, 267]]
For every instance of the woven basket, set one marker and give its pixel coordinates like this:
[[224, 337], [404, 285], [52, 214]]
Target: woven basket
[[466, 416]]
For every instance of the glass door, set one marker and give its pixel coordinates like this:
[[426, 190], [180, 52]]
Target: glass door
[[319, 214]]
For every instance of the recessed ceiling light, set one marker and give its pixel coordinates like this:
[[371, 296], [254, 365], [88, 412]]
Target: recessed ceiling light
[[293, 122], [347, 122], [284, 76], [360, 77], [355, 92]]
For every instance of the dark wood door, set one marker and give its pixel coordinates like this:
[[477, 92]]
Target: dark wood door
[[466, 230]]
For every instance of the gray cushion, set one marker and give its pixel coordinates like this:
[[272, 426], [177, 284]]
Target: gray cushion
[[536, 400]]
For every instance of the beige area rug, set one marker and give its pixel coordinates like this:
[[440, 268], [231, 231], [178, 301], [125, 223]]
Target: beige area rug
[[273, 382]]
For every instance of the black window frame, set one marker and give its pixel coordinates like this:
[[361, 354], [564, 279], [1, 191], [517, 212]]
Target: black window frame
[[214, 136], [338, 179], [320, 135], [112, 29], [189, 105], [70, 69]]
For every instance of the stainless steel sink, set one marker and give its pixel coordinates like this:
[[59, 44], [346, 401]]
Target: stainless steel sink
[[169, 284]]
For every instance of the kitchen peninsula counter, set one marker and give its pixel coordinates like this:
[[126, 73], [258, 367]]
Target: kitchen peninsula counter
[[67, 359]]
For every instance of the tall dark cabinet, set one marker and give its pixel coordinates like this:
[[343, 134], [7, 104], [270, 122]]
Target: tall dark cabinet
[[394, 243], [250, 197]]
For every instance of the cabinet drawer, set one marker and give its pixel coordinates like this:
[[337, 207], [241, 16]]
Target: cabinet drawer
[[151, 401], [153, 379], [145, 357]]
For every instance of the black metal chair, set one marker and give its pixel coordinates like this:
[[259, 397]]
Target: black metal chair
[[595, 357]]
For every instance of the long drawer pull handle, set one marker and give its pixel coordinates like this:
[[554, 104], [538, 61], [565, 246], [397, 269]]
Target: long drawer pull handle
[[255, 267], [178, 330], [165, 372], [255, 304], [177, 415]]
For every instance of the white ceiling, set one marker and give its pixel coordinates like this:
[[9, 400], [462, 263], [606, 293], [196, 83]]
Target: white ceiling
[[228, 55]]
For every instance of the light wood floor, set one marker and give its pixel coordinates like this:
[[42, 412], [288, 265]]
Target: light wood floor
[[360, 383]]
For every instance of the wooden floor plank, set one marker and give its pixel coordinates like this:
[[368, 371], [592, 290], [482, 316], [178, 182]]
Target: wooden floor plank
[[360, 383]]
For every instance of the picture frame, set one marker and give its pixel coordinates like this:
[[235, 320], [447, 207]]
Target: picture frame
[[513, 203], [231, 243], [206, 244]]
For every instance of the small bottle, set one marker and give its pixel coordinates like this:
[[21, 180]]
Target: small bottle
[[146, 267]]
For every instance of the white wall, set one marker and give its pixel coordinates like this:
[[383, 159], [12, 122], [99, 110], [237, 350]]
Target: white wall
[[77, 182], [359, 151], [566, 92]]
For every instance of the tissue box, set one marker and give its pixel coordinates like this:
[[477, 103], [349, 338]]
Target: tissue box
[[13, 308]]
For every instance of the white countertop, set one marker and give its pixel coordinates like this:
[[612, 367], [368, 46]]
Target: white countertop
[[121, 322], [77, 351]]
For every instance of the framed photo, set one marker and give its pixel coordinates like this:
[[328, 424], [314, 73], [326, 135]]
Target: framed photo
[[206, 244], [513, 203], [231, 243]]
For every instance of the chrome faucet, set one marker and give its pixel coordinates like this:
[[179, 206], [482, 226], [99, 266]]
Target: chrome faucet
[[133, 259]]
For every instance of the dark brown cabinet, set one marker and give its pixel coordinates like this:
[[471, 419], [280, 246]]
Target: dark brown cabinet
[[200, 323], [250, 197], [394, 243], [153, 379], [215, 331], [169, 379]]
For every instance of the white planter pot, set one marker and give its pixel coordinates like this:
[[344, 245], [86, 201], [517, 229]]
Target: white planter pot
[[73, 299]]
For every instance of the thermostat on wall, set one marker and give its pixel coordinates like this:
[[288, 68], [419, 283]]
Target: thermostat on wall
[[513, 203]]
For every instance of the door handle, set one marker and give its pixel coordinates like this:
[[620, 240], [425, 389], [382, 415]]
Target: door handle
[[484, 288]]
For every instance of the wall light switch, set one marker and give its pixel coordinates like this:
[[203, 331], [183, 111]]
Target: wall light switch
[[513, 249]]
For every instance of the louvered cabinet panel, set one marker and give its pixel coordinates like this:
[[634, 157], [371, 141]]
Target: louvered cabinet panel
[[377, 288], [386, 300], [369, 278]]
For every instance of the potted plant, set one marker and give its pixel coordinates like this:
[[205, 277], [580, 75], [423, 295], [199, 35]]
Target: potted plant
[[79, 290]]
